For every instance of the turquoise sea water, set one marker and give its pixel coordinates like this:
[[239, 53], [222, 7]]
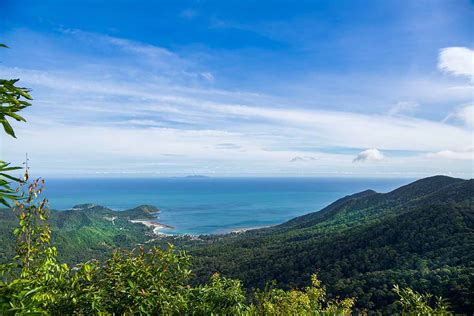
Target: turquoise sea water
[[213, 205]]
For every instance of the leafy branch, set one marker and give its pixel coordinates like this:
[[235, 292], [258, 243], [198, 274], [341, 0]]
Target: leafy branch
[[13, 99]]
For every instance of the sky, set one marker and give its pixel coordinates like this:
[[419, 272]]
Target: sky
[[242, 88]]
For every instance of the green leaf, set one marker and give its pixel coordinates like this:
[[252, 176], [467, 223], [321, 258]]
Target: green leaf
[[16, 117], [10, 177], [8, 128], [4, 202]]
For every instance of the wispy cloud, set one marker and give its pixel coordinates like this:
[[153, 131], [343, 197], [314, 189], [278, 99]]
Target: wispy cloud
[[403, 107], [462, 154], [189, 14], [228, 146], [303, 159], [466, 115], [115, 100], [162, 109]]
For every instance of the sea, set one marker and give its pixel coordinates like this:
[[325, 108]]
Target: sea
[[201, 205]]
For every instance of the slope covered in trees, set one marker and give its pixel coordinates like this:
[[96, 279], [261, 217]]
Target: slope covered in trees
[[420, 235], [87, 231]]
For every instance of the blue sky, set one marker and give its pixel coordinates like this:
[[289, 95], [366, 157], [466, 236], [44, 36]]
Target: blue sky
[[243, 88]]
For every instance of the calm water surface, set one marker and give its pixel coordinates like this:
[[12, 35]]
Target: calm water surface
[[213, 205]]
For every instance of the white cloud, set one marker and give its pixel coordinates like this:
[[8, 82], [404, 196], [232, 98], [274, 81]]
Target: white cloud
[[458, 61], [126, 45], [189, 14], [403, 107], [159, 105], [463, 154], [208, 76], [372, 154], [302, 159], [228, 146], [466, 114]]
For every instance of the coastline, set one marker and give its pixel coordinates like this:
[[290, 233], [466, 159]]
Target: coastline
[[239, 230], [209, 206], [155, 226]]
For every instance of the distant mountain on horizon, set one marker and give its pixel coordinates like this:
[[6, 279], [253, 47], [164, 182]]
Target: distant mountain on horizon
[[197, 176], [192, 176]]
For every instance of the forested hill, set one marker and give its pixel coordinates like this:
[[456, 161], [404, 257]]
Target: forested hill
[[87, 231], [419, 235], [427, 191]]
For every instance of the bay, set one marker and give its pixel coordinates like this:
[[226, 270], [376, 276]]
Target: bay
[[196, 205]]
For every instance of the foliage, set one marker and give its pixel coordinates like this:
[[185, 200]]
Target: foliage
[[414, 303], [33, 278], [33, 234], [276, 301], [12, 100], [150, 282], [6, 192], [223, 296]]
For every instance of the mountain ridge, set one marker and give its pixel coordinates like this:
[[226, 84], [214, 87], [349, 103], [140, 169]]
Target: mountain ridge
[[421, 190]]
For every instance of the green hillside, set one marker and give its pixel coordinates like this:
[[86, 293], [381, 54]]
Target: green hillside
[[421, 235], [87, 231]]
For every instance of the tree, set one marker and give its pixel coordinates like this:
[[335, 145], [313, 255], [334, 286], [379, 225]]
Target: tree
[[415, 303], [311, 301]]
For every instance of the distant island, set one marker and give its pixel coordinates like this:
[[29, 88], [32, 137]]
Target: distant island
[[192, 176], [196, 176]]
